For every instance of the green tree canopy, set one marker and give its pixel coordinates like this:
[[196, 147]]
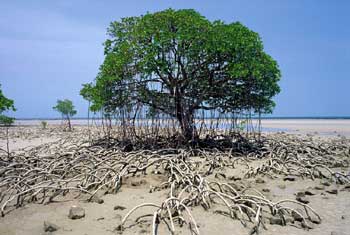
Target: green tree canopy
[[6, 105], [67, 110], [177, 62]]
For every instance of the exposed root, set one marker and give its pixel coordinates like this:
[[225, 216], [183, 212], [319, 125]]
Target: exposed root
[[46, 172]]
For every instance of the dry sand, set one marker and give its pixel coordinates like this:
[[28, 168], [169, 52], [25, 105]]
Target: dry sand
[[325, 127], [103, 219]]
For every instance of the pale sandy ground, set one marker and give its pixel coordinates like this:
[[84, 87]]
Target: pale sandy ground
[[16, 144], [102, 218], [327, 127], [27, 137]]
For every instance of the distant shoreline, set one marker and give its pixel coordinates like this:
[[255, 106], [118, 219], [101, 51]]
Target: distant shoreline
[[263, 118], [325, 126]]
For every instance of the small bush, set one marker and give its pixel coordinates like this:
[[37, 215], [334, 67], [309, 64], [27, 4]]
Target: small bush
[[43, 124]]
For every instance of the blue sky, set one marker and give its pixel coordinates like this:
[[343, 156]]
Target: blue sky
[[49, 48]]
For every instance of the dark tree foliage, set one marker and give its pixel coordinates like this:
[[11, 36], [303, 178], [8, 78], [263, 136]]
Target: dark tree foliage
[[6, 105], [177, 62]]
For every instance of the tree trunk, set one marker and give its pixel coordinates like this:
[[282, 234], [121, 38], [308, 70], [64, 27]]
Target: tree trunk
[[185, 116], [7, 142], [188, 127], [187, 124], [89, 122], [69, 125]]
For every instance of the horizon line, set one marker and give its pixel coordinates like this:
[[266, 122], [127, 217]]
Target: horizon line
[[266, 117]]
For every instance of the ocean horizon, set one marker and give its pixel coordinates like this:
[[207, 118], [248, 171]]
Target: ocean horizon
[[275, 117]]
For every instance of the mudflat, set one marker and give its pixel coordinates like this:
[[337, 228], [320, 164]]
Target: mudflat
[[268, 191], [324, 127]]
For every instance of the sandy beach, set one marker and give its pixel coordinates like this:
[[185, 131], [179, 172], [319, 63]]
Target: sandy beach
[[103, 217], [174, 117], [325, 127]]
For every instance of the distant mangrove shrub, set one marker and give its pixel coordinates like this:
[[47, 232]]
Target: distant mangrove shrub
[[6, 105], [43, 124], [67, 110]]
